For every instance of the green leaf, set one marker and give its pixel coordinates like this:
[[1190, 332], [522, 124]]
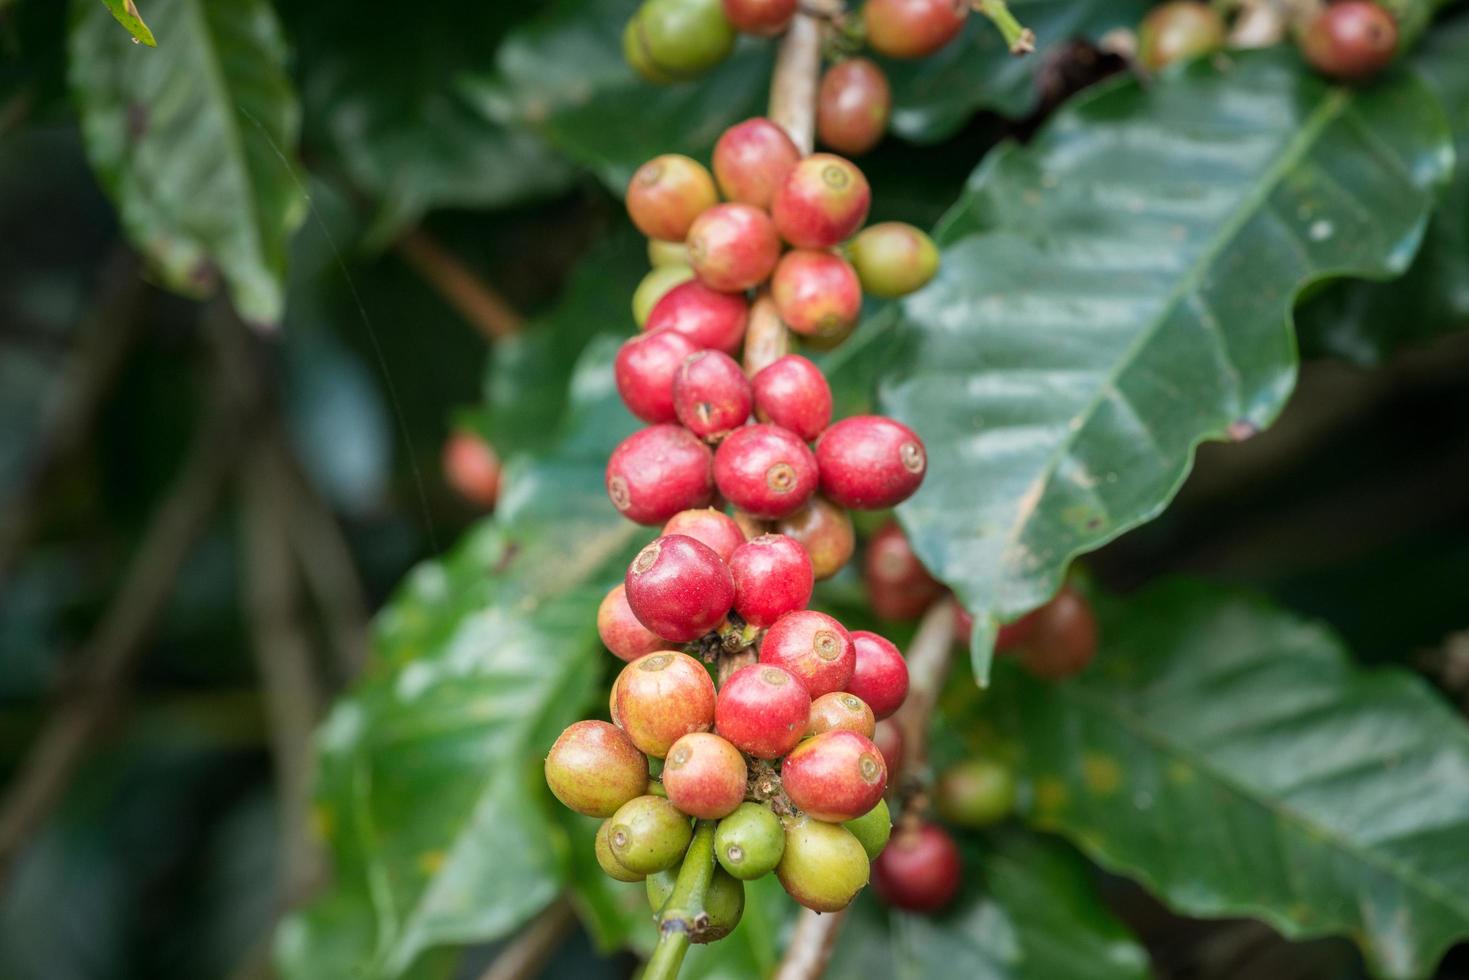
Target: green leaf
[[1232, 758], [1368, 322], [194, 141], [1120, 290], [126, 14]]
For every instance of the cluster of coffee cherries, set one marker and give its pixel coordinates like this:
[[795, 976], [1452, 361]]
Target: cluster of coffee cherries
[[1346, 39]]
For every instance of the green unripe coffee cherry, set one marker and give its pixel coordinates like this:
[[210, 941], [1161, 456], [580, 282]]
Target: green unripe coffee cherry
[[608, 860], [893, 259], [669, 40], [653, 287], [975, 793], [661, 253], [824, 866], [724, 902], [872, 829], [1178, 31], [749, 842], [648, 834]]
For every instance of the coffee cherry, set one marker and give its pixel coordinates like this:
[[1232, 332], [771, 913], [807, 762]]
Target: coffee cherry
[[648, 834], [816, 293], [834, 776], [602, 847], [705, 776], [644, 370], [661, 698], [976, 793], [667, 193], [752, 159], [655, 473], [635, 53], [711, 395], [772, 576], [888, 738], [472, 468], [919, 870], [812, 646], [733, 247], [1178, 31], [654, 286], [825, 531], [1063, 639], [823, 867], [893, 259], [763, 18], [679, 588], [793, 394], [872, 829], [840, 712], [853, 106], [869, 462], [1007, 638], [724, 902], [663, 254], [749, 842], [898, 585], [912, 28], [621, 631], [765, 471], [595, 768], [710, 527], [880, 677], [1350, 39], [762, 711], [678, 39], [711, 319], [822, 201], [751, 527]]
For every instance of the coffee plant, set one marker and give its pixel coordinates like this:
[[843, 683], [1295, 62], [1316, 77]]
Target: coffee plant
[[796, 628]]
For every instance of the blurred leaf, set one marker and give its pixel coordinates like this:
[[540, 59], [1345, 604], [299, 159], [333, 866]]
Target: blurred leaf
[[127, 15], [1120, 290], [194, 142], [1368, 322], [615, 913], [1230, 756]]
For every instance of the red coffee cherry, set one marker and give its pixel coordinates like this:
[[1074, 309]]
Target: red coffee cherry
[[733, 247], [751, 527], [841, 711], [834, 776], [765, 471], [708, 526], [655, 285], [898, 586], [880, 676], [1177, 31], [772, 576], [920, 870], [711, 395], [711, 319], [661, 698], [1350, 39], [752, 159], [659, 471], [762, 710], [679, 588], [620, 630], [705, 776], [893, 259], [822, 201], [472, 468], [869, 462], [853, 106], [667, 193], [1063, 638], [814, 647], [793, 394], [888, 738], [825, 531], [1012, 636], [817, 293], [644, 371], [912, 28], [594, 768], [763, 18]]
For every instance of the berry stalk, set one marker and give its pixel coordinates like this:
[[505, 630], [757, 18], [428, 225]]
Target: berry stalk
[[681, 917], [1019, 38]]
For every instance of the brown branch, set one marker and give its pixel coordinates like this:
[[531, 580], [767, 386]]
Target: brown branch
[[538, 939], [794, 81], [928, 658], [811, 945], [766, 338], [459, 285]]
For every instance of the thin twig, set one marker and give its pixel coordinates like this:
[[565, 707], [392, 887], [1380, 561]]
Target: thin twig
[[811, 945], [459, 285], [793, 83], [766, 338], [928, 658], [538, 939]]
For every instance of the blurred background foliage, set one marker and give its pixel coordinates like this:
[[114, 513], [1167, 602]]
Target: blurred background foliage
[[242, 301]]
